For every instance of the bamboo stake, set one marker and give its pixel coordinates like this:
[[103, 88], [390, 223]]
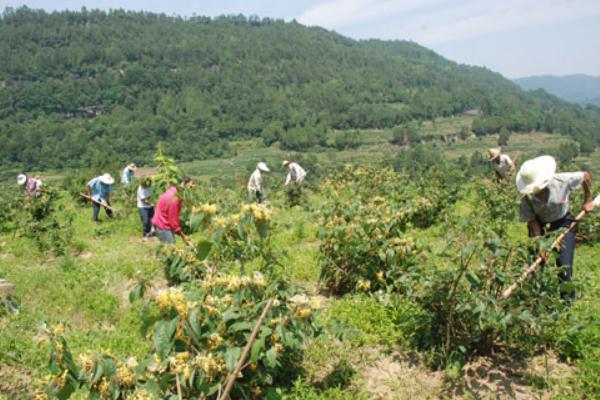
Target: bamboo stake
[[97, 202], [233, 376], [508, 292], [178, 385]]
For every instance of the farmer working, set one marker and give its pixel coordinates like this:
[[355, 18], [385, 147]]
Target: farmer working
[[501, 163], [296, 173], [255, 182], [545, 205], [144, 204], [166, 217], [127, 174], [32, 186], [99, 189]]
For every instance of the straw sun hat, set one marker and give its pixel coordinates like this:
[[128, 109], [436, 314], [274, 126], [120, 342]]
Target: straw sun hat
[[107, 179], [21, 179], [285, 163], [534, 175], [494, 153], [263, 167]]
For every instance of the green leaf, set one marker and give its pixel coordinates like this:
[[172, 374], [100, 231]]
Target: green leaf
[[136, 293], [164, 337], [473, 281], [66, 391], [194, 321], [232, 357], [229, 315], [203, 249], [241, 326], [98, 374], [271, 358], [257, 347], [196, 222]]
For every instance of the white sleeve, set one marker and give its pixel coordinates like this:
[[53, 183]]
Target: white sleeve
[[572, 179], [288, 178]]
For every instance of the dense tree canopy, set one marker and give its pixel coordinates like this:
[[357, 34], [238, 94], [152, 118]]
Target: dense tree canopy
[[76, 86]]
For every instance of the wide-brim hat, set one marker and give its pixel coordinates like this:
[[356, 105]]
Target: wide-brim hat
[[494, 153], [285, 163], [21, 179], [132, 166], [107, 179], [534, 175], [263, 167]]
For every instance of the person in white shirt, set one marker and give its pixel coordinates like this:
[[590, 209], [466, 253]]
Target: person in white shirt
[[502, 164], [296, 173], [545, 206], [145, 207], [255, 182], [127, 174]]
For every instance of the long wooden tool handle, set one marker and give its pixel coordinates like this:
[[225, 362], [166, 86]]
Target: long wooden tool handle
[[506, 294], [231, 379], [97, 202]]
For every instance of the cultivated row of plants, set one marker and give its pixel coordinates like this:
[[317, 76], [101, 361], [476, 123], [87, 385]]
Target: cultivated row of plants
[[370, 242]]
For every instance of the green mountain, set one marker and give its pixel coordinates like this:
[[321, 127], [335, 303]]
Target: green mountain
[[579, 88], [79, 88]]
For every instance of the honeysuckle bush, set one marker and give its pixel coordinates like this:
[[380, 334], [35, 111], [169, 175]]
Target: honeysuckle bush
[[12, 203], [239, 236], [38, 219], [366, 220], [460, 289], [197, 337], [364, 246]]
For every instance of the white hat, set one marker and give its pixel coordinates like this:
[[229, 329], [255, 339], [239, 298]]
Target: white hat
[[21, 179], [107, 179], [132, 166], [285, 163], [494, 153], [263, 167], [535, 174]]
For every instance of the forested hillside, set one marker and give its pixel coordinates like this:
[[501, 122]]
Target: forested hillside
[[77, 88], [580, 89]]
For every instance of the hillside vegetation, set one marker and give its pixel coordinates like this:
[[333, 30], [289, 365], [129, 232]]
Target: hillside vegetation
[[580, 89], [80, 88]]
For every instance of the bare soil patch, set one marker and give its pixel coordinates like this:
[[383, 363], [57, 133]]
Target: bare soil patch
[[505, 378]]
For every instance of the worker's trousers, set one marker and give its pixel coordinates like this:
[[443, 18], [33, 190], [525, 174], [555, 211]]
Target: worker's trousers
[[96, 210], [566, 253]]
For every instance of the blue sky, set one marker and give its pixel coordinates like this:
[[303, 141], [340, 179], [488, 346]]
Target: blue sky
[[514, 37]]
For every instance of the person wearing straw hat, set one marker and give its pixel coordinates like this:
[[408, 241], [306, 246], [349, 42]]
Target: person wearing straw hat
[[127, 174], [255, 182], [99, 189], [502, 164], [296, 173], [32, 186], [168, 209], [545, 205]]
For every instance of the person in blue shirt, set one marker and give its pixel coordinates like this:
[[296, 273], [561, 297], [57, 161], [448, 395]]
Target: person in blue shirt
[[100, 189], [127, 174]]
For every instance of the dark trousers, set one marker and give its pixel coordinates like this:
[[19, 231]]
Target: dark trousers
[[96, 210], [146, 214], [566, 253]]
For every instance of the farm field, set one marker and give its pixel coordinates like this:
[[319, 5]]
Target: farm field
[[369, 341], [375, 146]]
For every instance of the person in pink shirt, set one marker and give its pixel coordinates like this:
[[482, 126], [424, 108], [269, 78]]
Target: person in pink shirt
[[166, 215]]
